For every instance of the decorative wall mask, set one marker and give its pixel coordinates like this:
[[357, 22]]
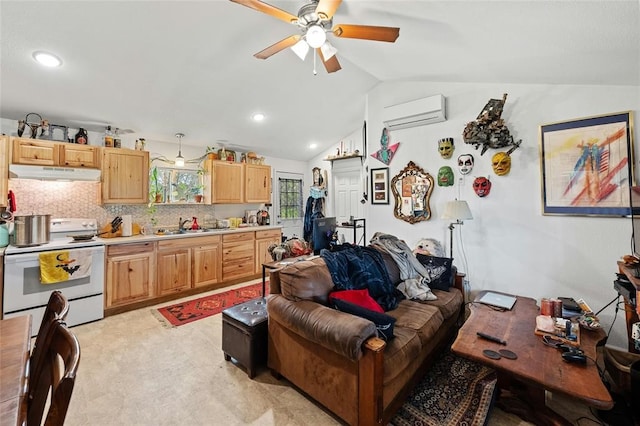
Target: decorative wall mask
[[482, 186], [501, 163], [446, 147], [489, 130], [445, 176], [465, 163], [412, 189], [386, 152]]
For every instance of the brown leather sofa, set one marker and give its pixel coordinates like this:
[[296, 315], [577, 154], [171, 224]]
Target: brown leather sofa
[[335, 357]]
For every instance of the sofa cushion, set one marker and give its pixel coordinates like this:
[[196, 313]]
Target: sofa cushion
[[424, 319], [448, 302], [401, 352], [357, 297], [439, 270], [306, 280], [384, 323]]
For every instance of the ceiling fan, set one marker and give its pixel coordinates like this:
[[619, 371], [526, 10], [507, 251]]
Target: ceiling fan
[[314, 20]]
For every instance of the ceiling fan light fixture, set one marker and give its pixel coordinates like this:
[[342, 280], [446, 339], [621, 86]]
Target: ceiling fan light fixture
[[328, 50], [301, 49], [316, 36]]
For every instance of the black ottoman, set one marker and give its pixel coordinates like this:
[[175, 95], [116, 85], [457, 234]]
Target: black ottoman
[[244, 334]]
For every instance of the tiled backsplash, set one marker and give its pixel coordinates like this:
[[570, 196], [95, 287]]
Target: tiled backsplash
[[80, 199]]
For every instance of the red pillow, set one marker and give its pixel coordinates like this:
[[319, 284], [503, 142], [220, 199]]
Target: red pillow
[[357, 297]]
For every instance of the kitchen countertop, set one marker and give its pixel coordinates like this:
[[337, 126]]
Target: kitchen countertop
[[157, 237]]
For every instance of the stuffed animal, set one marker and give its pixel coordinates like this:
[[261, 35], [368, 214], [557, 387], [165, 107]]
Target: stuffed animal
[[429, 247]]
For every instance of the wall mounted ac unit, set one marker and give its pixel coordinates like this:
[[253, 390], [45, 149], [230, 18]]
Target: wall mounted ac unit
[[415, 113]]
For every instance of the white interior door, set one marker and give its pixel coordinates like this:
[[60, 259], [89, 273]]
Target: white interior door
[[347, 190]]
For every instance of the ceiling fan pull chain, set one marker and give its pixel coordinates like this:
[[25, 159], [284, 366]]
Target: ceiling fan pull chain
[[315, 55]]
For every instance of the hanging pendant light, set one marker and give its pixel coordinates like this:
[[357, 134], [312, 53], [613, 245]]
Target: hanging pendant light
[[179, 162]]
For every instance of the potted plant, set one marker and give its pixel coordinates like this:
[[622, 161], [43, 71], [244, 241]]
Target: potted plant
[[155, 187]]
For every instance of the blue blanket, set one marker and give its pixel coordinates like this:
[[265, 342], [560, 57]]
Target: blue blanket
[[355, 267]]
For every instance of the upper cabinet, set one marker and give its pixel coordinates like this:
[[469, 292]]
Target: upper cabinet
[[125, 176], [46, 153], [223, 182], [257, 183], [4, 169], [229, 182]]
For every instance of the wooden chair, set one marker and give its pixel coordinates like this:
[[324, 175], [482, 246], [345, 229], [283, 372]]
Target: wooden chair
[[57, 377], [57, 308]]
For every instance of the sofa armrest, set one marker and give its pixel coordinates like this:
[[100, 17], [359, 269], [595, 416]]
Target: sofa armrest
[[337, 331]]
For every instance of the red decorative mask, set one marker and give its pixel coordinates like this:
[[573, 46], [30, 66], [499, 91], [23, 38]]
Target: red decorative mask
[[482, 186]]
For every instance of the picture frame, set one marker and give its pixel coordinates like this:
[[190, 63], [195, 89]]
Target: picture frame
[[380, 186], [587, 165]]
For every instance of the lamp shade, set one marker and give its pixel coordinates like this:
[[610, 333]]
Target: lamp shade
[[457, 210], [301, 48]]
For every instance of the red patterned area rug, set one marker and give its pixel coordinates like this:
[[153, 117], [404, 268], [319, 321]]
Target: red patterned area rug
[[192, 310]]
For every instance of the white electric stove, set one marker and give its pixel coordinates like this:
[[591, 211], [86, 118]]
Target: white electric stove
[[24, 293]]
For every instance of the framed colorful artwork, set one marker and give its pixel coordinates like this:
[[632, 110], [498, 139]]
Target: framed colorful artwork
[[586, 165], [380, 186]]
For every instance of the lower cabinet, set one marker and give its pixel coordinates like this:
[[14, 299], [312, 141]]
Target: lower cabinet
[[207, 261], [146, 271], [264, 239], [173, 266], [130, 273], [238, 253]]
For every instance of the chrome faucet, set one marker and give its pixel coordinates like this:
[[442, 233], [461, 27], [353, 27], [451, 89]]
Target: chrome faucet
[[181, 224]]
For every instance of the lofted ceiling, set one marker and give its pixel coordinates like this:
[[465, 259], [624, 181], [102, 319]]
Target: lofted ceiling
[[161, 67]]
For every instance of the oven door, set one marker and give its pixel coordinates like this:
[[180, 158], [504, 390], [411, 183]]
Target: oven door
[[25, 294]]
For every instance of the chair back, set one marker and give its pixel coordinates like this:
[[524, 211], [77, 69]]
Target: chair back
[[57, 308], [57, 377]]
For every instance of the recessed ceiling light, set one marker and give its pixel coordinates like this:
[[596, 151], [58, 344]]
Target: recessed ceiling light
[[313, 145], [47, 59], [258, 116]]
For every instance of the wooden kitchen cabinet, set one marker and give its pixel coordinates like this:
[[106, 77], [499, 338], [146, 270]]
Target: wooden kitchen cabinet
[[257, 183], [263, 240], [173, 266], [125, 176], [238, 255], [130, 273], [223, 182], [4, 171], [47, 153], [74, 155], [35, 152], [207, 261]]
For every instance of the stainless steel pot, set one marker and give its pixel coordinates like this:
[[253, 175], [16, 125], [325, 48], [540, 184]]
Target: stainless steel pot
[[31, 230]]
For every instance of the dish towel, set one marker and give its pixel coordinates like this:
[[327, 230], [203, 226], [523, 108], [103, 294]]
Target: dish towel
[[64, 265]]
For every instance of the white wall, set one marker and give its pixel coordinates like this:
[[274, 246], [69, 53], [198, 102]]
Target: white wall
[[509, 245]]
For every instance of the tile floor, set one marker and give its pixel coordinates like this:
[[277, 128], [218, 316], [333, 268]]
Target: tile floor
[[135, 371]]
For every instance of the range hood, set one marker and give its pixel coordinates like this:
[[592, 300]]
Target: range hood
[[20, 171]]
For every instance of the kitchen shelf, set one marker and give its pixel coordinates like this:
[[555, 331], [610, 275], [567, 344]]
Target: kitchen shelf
[[343, 157]]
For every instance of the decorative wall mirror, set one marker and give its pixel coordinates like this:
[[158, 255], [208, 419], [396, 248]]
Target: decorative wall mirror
[[412, 189]]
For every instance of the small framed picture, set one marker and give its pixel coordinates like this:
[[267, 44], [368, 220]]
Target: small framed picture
[[380, 186]]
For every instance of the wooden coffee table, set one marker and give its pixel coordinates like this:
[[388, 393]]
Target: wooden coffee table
[[522, 382]]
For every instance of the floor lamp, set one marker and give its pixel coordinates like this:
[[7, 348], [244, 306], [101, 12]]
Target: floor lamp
[[456, 210]]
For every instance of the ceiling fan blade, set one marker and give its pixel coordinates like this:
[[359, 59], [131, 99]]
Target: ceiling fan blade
[[326, 8], [367, 32], [276, 47], [331, 64], [268, 9]]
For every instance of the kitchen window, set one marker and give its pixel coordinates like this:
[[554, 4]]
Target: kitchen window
[[175, 185]]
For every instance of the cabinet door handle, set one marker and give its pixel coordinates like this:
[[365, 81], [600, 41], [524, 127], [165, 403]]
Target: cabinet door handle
[[264, 185]]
